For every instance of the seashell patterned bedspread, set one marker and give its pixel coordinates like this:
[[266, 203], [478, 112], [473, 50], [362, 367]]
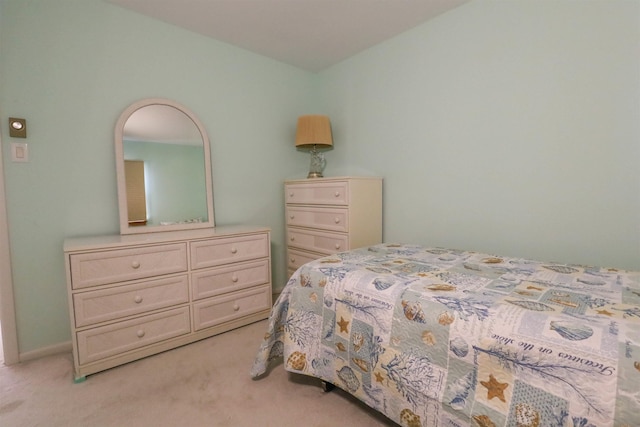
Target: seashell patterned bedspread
[[444, 338]]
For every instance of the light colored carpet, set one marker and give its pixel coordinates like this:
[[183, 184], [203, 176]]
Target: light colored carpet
[[203, 384]]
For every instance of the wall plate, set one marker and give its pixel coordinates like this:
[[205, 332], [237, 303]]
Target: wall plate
[[19, 152]]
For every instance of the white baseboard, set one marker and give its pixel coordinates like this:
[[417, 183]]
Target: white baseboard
[[63, 347]]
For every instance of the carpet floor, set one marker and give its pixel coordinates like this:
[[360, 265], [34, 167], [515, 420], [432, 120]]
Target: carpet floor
[[206, 383]]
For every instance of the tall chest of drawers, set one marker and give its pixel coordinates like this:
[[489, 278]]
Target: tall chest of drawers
[[329, 215], [137, 295]]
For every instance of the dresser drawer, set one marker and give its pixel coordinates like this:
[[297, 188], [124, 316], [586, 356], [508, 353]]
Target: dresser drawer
[[113, 303], [297, 258], [317, 241], [211, 253], [215, 311], [208, 283], [318, 193], [99, 343], [99, 268], [332, 219]]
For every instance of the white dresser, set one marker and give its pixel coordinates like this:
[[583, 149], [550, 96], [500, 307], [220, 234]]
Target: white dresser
[[136, 295], [329, 215]]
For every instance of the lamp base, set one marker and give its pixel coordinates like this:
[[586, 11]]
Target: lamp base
[[317, 164]]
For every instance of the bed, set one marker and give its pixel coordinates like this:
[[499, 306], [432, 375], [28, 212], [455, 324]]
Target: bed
[[447, 338]]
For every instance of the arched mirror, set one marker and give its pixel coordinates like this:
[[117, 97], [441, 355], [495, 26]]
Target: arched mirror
[[163, 167]]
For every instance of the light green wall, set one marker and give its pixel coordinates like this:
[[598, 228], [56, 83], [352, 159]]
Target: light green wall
[[511, 127], [175, 182], [505, 126], [70, 67]]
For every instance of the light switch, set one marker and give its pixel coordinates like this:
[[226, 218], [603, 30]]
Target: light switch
[[19, 152]]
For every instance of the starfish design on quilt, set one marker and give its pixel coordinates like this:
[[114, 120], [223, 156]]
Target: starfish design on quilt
[[495, 388], [605, 312], [379, 377], [344, 325]]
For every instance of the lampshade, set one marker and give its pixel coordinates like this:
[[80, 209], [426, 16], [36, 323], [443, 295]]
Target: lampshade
[[313, 130]]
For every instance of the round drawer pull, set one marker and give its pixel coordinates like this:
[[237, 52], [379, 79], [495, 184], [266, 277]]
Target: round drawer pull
[[234, 278], [137, 299], [234, 250], [292, 216], [135, 264], [337, 194], [236, 307], [292, 238], [140, 333], [336, 220], [291, 194], [292, 260], [337, 245]]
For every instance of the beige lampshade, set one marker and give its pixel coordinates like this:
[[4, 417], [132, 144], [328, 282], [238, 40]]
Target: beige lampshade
[[313, 130]]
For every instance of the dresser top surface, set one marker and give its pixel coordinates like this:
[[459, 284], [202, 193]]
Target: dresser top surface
[[333, 178], [84, 243]]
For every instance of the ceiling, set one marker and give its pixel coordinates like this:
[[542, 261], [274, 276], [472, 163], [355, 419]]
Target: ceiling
[[309, 34]]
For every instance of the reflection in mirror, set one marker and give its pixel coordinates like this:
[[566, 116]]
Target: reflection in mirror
[[164, 169]]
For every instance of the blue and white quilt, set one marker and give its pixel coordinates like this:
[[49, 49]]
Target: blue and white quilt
[[446, 338]]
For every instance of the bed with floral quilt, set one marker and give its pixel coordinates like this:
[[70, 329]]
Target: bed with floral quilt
[[446, 338]]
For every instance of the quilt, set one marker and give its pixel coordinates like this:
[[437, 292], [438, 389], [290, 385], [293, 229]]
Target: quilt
[[447, 338]]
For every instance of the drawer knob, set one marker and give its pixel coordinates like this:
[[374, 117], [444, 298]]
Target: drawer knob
[[135, 264], [138, 299], [336, 220], [337, 194], [234, 278], [292, 260], [292, 238], [337, 245], [236, 307], [140, 333], [292, 216], [234, 250], [291, 194]]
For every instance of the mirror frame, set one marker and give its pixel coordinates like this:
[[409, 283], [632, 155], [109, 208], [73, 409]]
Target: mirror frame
[[122, 189]]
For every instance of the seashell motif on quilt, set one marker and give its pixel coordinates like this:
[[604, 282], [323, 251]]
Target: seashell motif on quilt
[[361, 363], [413, 311], [341, 346], [459, 346], [594, 282], [313, 297], [527, 416], [563, 269], [441, 287], [320, 363], [492, 260], [305, 280], [428, 338], [382, 285], [637, 366], [409, 419], [469, 266], [349, 378], [532, 305], [483, 421], [436, 251], [571, 330], [358, 341], [276, 351], [445, 318], [380, 270], [297, 361]]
